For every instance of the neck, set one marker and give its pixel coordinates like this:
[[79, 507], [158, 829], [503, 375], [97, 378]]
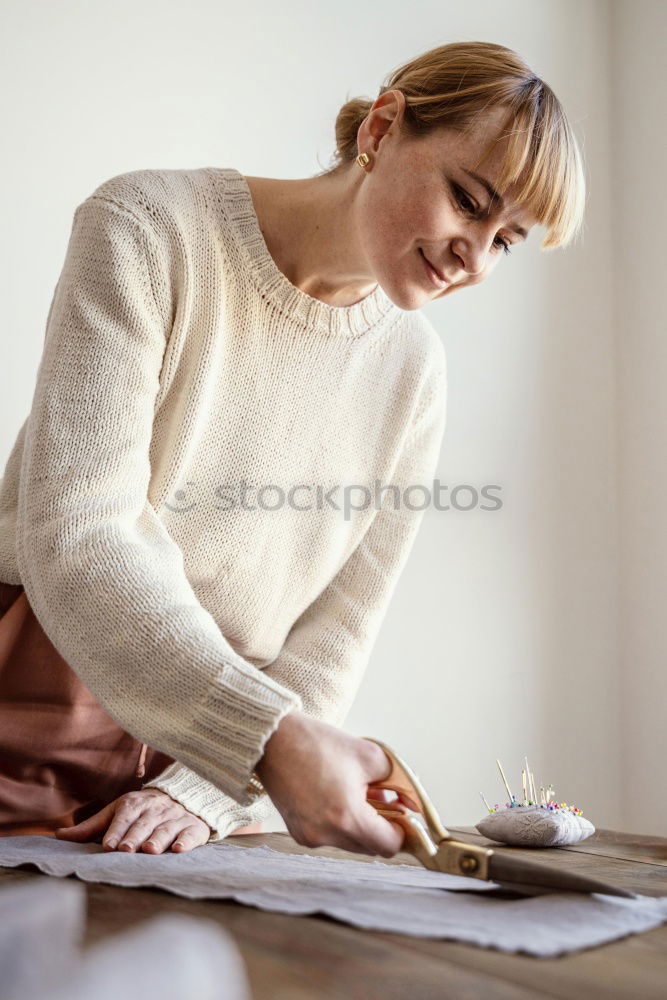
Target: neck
[[309, 228]]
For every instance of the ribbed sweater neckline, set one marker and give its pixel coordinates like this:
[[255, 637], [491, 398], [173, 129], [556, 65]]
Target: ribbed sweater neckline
[[313, 314]]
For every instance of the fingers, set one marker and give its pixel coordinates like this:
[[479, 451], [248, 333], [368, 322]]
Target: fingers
[[128, 811], [180, 834], [152, 821], [382, 794], [149, 819], [162, 836], [388, 834], [371, 833], [357, 828], [194, 835], [89, 828]]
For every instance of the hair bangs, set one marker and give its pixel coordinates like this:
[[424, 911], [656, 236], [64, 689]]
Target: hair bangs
[[543, 164]]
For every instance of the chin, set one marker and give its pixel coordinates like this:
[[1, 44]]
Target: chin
[[408, 299]]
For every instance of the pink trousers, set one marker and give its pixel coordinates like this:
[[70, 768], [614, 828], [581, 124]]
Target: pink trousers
[[62, 757]]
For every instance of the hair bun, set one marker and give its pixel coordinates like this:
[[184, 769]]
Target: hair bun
[[348, 120]]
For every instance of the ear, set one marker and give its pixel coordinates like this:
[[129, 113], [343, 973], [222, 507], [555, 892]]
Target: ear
[[383, 119]]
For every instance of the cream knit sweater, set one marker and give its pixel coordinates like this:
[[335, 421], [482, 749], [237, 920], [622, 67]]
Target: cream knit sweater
[[185, 388]]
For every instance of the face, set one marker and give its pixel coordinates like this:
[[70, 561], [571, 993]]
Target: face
[[419, 208]]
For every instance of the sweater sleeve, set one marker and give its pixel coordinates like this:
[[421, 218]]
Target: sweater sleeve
[[326, 652], [104, 577]]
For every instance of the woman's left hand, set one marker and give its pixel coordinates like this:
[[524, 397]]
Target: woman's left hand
[[149, 820]]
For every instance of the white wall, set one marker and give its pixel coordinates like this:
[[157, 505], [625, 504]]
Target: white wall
[[639, 218], [503, 636], [511, 645]]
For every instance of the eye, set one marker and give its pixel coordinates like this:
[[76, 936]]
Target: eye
[[463, 200], [466, 204], [504, 244]]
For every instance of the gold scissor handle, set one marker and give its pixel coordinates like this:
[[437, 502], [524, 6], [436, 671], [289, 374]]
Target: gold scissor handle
[[405, 782], [417, 840], [425, 835]]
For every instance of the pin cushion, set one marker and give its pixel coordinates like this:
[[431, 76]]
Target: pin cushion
[[538, 821], [549, 825]]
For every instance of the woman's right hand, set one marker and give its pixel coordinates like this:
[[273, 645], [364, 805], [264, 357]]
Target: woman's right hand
[[317, 777]]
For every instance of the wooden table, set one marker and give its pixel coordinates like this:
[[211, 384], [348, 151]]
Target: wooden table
[[294, 958]]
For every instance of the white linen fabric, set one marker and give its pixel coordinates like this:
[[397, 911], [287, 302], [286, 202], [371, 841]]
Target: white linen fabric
[[371, 895]]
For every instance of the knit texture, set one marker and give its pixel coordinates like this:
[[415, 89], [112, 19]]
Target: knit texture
[[175, 502]]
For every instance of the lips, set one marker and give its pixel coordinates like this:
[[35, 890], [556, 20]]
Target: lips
[[434, 276], [431, 264]]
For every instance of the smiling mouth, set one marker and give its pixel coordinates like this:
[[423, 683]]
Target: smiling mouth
[[435, 276]]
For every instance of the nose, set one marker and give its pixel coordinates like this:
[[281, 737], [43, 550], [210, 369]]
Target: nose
[[472, 251], [471, 258]]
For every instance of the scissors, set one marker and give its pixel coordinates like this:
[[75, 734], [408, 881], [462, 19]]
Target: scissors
[[432, 844]]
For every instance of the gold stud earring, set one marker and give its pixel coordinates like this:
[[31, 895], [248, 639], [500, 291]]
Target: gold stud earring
[[363, 159]]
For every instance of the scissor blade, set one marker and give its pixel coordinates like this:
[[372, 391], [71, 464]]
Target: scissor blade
[[530, 876]]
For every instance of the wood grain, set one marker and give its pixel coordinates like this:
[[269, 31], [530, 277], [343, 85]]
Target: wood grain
[[294, 958]]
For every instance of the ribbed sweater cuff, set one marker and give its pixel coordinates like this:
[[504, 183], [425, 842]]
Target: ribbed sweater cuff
[[227, 737], [222, 814]]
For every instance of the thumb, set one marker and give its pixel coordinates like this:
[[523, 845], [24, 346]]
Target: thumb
[[88, 829], [377, 763]]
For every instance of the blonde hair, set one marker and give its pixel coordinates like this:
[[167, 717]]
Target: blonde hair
[[453, 85]]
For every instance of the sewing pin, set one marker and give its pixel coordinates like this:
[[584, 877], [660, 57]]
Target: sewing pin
[[502, 775], [528, 778], [532, 784], [486, 803]]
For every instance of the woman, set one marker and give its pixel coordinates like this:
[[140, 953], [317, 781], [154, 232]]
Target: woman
[[211, 331]]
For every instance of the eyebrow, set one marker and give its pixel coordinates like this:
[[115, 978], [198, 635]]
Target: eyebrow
[[494, 196]]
